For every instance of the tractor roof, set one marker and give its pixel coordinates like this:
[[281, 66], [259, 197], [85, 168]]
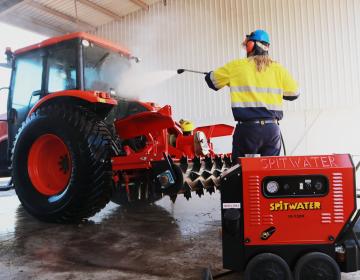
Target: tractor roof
[[82, 35]]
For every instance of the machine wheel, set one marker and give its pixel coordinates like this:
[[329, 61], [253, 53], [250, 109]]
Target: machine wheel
[[267, 266], [317, 266], [62, 163]]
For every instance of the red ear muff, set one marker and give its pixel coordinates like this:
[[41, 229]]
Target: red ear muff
[[250, 46]]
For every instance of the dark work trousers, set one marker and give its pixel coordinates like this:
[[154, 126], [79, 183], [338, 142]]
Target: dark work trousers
[[252, 138]]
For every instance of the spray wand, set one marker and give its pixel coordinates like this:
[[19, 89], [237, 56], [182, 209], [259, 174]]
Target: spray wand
[[180, 71]]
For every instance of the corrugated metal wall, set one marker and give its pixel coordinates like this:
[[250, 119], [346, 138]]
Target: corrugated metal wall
[[317, 40]]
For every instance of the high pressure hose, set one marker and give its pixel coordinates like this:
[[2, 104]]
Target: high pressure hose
[[283, 143]]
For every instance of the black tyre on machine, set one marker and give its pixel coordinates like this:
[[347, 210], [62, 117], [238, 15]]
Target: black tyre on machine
[[61, 163], [267, 266], [317, 266]]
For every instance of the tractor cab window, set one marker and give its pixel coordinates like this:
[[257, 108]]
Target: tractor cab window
[[62, 69], [27, 80], [4, 92], [103, 68]]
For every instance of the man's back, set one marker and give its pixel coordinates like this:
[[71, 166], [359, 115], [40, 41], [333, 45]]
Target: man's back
[[257, 85]]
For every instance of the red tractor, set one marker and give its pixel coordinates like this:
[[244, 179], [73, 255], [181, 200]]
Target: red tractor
[[70, 145]]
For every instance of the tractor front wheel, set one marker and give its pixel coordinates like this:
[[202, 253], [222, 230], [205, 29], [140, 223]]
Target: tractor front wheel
[[61, 164]]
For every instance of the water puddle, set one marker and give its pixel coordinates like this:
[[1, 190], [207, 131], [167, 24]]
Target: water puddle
[[9, 204]]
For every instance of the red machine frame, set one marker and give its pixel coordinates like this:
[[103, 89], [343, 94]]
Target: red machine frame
[[156, 125]]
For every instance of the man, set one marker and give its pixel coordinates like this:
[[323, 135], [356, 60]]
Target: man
[[258, 86]]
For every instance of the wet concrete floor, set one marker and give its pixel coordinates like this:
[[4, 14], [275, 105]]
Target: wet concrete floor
[[158, 241]]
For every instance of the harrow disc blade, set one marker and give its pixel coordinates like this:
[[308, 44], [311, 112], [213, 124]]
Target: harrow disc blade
[[186, 190], [173, 198], [194, 175], [184, 164], [208, 163], [227, 161], [206, 174], [201, 174], [218, 162], [196, 164], [200, 188]]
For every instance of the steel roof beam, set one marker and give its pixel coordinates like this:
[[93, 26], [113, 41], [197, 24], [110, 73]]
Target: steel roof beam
[[34, 25], [59, 14], [141, 4], [100, 9]]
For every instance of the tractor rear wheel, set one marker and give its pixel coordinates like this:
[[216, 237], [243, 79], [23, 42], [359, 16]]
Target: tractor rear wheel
[[317, 266], [267, 266], [61, 163]]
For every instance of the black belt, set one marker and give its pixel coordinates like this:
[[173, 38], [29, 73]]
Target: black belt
[[261, 122]]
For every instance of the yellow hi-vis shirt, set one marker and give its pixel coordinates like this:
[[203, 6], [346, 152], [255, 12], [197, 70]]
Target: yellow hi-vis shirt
[[255, 95]]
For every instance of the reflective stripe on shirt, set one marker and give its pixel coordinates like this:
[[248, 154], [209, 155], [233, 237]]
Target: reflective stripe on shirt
[[273, 107], [251, 96], [256, 89]]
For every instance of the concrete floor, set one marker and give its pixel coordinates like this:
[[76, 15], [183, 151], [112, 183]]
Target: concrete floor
[[160, 241]]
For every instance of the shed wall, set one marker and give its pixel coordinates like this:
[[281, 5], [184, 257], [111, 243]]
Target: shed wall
[[317, 40]]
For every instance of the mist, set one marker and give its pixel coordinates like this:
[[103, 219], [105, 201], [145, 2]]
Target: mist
[[134, 82]]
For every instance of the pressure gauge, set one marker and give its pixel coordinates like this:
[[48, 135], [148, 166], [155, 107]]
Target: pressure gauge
[[272, 187]]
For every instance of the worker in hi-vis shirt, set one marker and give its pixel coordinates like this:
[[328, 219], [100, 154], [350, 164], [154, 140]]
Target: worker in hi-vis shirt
[[258, 86]]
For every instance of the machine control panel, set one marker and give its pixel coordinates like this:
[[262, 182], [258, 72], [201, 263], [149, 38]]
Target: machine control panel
[[295, 186]]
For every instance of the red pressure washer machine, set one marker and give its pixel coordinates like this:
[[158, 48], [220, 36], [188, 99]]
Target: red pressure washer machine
[[290, 216]]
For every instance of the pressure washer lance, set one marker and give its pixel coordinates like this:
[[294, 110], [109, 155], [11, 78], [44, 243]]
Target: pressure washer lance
[[180, 71]]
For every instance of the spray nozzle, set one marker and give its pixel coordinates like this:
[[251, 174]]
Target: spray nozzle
[[137, 59]]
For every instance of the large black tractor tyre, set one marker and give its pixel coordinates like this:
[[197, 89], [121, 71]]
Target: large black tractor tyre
[[61, 163]]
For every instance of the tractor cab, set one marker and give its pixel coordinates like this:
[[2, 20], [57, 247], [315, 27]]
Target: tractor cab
[[76, 66]]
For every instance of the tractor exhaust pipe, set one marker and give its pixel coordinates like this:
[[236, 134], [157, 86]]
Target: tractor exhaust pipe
[[180, 71]]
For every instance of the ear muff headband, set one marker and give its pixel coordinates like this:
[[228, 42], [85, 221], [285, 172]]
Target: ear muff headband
[[250, 46]]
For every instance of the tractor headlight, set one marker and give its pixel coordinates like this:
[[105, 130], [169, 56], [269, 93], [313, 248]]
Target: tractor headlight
[[272, 187]]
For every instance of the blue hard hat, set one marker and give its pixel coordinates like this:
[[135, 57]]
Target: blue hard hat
[[259, 35]]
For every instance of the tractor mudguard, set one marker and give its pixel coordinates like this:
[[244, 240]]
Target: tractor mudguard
[[92, 97]]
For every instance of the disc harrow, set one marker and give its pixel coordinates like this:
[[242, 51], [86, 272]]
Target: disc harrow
[[201, 174]]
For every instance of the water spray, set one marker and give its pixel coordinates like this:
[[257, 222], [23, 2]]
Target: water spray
[[180, 71]]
